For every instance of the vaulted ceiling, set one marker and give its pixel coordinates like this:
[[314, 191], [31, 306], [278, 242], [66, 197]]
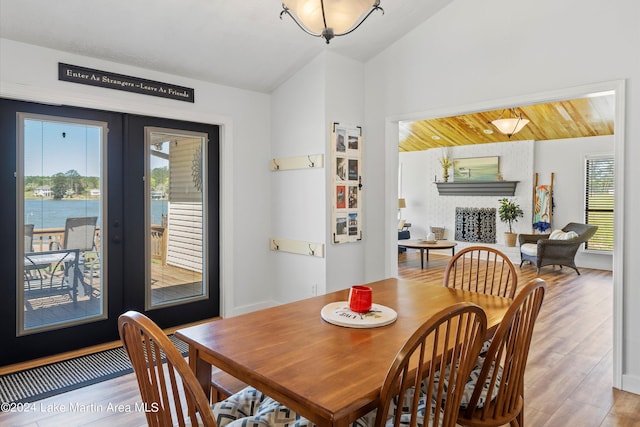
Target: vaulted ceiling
[[235, 43], [575, 118], [244, 44]]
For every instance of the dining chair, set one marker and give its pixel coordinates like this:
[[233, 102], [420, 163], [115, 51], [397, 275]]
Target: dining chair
[[501, 369], [482, 269], [148, 348], [171, 393], [452, 338]]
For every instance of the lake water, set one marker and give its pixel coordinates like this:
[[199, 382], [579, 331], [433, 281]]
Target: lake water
[[47, 213]]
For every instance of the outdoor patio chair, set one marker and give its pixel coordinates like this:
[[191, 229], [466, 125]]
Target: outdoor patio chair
[[79, 233], [56, 268], [31, 271], [28, 237]]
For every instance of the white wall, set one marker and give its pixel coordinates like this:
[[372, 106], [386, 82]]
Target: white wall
[[299, 196], [455, 59], [345, 104], [31, 73], [330, 88], [519, 160]]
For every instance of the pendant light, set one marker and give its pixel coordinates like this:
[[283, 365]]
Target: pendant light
[[329, 18], [510, 125]]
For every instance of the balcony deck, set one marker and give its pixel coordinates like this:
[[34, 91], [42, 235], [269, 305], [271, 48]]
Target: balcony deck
[[45, 305]]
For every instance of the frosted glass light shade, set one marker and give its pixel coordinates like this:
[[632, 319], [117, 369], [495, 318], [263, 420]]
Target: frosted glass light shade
[[510, 126], [340, 16]]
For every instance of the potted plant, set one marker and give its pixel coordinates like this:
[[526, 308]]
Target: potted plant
[[509, 212]]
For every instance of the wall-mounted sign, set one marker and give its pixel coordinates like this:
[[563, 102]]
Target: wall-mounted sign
[[89, 76]]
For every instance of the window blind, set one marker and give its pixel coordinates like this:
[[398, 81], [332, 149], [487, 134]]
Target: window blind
[[599, 201]]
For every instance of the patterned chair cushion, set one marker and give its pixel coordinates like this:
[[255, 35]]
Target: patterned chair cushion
[[470, 385], [405, 418], [272, 413], [473, 380], [252, 408], [243, 404]]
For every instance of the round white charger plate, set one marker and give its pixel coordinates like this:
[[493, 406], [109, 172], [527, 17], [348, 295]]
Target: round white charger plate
[[338, 313]]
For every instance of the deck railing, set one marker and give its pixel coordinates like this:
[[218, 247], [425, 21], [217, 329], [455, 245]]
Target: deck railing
[[46, 239], [159, 243]]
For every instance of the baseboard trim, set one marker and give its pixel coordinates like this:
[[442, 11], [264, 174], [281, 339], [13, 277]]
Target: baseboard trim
[[631, 383]]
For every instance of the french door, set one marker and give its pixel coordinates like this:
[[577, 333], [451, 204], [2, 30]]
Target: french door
[[102, 212], [171, 176]]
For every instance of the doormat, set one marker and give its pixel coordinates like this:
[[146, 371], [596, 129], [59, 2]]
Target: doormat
[[39, 383]]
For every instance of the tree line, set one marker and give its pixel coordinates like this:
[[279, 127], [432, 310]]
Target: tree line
[[71, 183]]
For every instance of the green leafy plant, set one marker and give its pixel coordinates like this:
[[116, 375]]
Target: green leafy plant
[[509, 212]]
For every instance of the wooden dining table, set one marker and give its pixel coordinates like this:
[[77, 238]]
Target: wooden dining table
[[329, 374]]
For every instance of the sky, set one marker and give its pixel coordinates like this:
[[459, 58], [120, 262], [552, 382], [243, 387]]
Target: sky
[[47, 151]]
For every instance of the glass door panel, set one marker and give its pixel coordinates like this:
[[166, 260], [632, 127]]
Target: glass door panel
[[176, 213], [60, 187]]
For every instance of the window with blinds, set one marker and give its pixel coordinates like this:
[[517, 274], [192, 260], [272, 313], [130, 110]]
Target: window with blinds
[[599, 201]]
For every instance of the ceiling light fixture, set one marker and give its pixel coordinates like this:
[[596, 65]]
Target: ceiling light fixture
[[329, 18], [510, 125]]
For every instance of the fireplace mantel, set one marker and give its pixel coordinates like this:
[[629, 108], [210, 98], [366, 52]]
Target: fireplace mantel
[[477, 188]]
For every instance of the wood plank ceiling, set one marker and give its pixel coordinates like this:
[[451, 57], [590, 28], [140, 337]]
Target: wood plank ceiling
[[575, 118]]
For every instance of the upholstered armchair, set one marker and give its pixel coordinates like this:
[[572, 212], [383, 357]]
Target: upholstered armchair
[[557, 248]]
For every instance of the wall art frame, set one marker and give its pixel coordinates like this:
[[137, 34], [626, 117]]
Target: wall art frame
[[346, 183], [476, 169]]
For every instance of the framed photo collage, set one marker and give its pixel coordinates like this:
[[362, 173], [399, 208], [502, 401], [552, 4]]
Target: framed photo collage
[[346, 163]]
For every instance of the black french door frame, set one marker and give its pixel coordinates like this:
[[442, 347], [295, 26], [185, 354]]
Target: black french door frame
[[134, 293], [125, 198]]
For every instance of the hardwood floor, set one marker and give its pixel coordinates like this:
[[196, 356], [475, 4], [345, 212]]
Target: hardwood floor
[[568, 378]]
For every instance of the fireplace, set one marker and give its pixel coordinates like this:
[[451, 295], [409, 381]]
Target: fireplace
[[476, 225]]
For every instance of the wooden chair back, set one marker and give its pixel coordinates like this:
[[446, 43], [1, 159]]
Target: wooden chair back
[[509, 349], [163, 386], [451, 338], [482, 269]]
